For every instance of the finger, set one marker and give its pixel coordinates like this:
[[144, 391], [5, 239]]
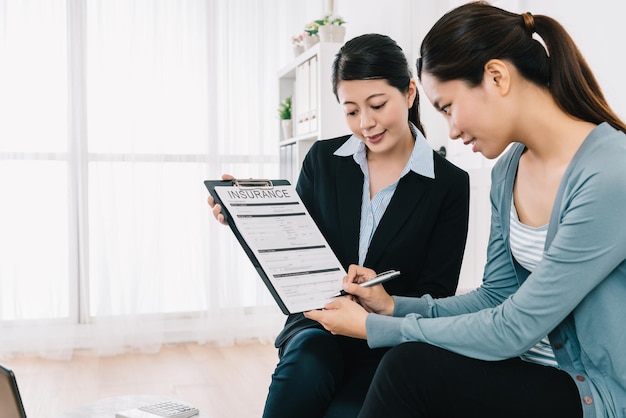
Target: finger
[[217, 210], [315, 315], [352, 269], [227, 177], [349, 278], [353, 288], [217, 214], [335, 304]]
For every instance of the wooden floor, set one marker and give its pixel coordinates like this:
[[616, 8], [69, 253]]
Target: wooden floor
[[223, 382]]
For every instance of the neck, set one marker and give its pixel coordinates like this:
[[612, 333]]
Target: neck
[[551, 136]]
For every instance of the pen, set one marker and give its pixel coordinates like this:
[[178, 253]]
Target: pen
[[379, 278]]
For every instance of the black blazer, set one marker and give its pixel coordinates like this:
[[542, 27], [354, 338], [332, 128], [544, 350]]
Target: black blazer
[[422, 233]]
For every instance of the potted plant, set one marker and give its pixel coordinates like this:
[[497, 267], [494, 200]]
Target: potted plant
[[310, 33], [331, 29], [284, 114], [298, 43], [312, 27], [332, 20]]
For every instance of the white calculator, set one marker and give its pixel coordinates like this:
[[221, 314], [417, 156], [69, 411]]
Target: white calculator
[[168, 409]]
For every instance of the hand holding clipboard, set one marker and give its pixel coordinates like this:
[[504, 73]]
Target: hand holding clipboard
[[216, 208]]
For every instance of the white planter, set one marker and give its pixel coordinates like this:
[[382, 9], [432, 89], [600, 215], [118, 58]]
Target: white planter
[[332, 33], [309, 41], [287, 125], [297, 50]]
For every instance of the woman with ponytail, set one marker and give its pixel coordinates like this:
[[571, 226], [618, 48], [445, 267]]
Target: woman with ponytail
[[543, 336]]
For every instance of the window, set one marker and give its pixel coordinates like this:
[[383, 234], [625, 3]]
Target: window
[[112, 114]]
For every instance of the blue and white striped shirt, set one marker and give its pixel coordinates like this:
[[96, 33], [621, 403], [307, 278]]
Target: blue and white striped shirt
[[527, 244], [372, 211]]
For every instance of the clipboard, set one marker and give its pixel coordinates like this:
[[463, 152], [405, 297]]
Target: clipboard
[[282, 241]]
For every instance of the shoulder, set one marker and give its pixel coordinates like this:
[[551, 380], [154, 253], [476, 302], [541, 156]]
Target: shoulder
[[600, 163], [321, 165], [328, 146], [604, 148], [444, 169]]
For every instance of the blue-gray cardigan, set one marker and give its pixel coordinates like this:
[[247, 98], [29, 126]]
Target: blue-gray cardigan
[[576, 295]]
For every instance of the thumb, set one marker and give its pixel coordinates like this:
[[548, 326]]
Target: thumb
[[353, 288]]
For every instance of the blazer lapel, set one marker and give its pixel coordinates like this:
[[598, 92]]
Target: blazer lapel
[[410, 191], [349, 179]]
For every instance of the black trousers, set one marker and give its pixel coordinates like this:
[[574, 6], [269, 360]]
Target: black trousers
[[321, 375], [420, 380]]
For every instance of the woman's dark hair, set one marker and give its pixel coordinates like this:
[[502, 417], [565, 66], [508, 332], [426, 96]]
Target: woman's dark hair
[[374, 56], [459, 45]]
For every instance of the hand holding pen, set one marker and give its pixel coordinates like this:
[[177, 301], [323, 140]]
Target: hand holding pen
[[372, 298], [348, 316], [379, 278]]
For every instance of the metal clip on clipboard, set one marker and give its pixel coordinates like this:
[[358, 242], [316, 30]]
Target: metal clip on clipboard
[[253, 183]]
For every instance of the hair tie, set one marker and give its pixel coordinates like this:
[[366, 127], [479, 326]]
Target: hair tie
[[529, 22]]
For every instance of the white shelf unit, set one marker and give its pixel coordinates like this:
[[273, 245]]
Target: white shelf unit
[[316, 114]]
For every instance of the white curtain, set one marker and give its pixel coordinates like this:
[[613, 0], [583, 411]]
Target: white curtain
[[112, 113]]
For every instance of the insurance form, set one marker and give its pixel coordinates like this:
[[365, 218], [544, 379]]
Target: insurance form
[[283, 242]]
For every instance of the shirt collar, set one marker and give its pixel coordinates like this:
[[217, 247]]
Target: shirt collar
[[422, 159]]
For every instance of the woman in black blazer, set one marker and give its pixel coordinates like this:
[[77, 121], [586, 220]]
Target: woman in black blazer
[[383, 199]]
